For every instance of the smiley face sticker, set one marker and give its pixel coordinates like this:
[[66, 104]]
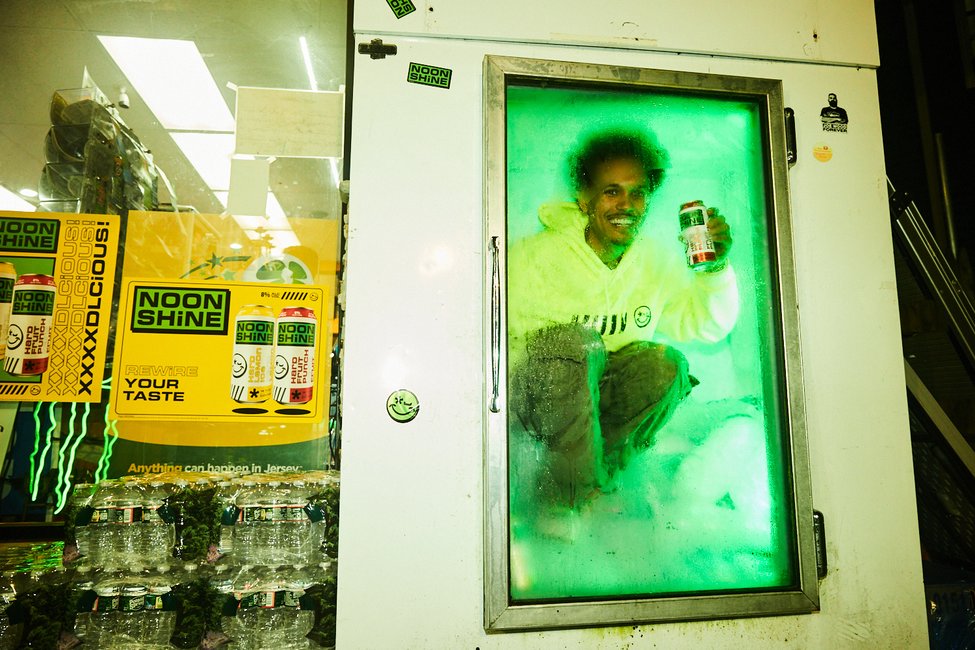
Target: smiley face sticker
[[402, 405]]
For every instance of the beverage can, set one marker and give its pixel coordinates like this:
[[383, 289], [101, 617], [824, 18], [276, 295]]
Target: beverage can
[[251, 376], [8, 277], [694, 232], [294, 363], [29, 331]]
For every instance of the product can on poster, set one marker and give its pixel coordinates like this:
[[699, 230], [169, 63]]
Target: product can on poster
[[29, 332], [8, 277], [694, 232], [251, 378], [294, 363]]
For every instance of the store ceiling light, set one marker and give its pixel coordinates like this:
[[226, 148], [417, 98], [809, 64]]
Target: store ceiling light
[[28, 192], [173, 81], [306, 55], [10, 201]]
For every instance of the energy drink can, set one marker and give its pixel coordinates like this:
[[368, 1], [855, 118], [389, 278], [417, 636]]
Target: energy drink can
[[29, 332], [294, 365], [8, 276], [251, 378], [694, 232]]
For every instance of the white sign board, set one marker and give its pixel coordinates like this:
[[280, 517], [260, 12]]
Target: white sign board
[[290, 123]]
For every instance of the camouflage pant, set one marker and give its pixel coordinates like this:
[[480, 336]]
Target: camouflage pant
[[594, 410]]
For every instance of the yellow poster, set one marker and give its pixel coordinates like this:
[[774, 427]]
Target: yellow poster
[[57, 275], [212, 351]]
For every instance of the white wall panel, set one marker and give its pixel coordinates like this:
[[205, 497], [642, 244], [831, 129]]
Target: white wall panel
[[800, 30], [410, 574]]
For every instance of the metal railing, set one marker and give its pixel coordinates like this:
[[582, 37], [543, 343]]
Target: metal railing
[[935, 270]]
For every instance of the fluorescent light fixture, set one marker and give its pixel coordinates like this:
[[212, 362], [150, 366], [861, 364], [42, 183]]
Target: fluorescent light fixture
[[173, 81], [10, 201], [312, 82], [209, 153], [28, 192]]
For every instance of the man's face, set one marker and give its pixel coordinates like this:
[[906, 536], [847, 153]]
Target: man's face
[[831, 98], [616, 203]]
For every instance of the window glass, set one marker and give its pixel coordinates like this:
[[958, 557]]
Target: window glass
[[647, 445]]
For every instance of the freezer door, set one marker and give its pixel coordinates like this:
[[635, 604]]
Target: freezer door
[[453, 518], [649, 393]]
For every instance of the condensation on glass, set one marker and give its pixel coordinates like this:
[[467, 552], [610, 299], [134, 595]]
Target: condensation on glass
[[645, 441]]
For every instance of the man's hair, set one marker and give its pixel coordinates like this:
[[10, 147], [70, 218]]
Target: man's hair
[[618, 144]]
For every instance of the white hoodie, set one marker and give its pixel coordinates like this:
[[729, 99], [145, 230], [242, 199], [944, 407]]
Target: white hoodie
[[555, 277]]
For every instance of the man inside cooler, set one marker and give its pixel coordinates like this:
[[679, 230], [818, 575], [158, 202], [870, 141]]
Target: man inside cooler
[[589, 298]]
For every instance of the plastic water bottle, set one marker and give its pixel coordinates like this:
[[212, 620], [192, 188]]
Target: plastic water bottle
[[269, 613], [159, 612], [295, 527], [158, 525], [222, 583], [97, 528], [130, 615], [114, 535], [245, 533], [226, 497], [274, 533], [102, 619], [301, 616], [81, 510]]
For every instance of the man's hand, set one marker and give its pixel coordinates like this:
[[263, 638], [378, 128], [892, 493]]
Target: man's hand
[[720, 233]]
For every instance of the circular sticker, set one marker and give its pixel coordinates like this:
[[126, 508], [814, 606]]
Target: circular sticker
[[402, 405], [823, 152]]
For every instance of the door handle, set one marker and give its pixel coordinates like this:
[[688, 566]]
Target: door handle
[[495, 326]]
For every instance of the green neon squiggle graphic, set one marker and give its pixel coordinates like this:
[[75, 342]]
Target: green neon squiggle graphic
[[69, 467], [49, 436], [110, 437], [37, 445], [65, 445]]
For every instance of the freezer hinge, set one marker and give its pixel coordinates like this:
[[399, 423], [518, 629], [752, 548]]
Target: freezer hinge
[[376, 49], [791, 154], [819, 534]]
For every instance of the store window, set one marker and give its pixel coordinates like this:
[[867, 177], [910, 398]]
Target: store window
[[216, 134], [647, 395], [171, 233]]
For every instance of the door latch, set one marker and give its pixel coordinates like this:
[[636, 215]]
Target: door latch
[[376, 49]]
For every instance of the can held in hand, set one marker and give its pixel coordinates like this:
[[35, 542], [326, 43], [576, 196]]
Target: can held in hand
[[29, 332], [294, 365], [251, 378], [8, 277], [694, 232]]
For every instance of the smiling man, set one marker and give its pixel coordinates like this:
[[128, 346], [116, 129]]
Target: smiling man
[[588, 299]]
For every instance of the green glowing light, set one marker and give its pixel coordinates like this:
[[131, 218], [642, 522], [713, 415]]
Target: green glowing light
[[65, 443], [110, 436], [48, 437], [65, 469], [37, 444]]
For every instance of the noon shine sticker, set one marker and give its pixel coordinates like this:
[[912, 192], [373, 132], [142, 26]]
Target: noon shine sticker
[[429, 75], [401, 7]]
